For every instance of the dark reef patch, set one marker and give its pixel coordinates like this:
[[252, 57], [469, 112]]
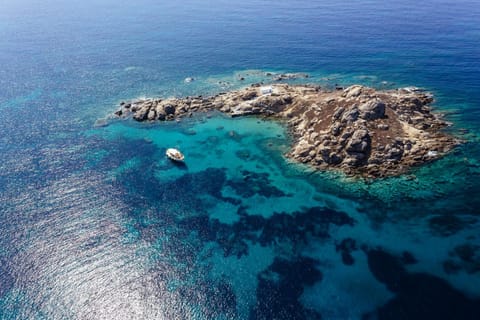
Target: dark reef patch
[[279, 227], [446, 225], [184, 192], [178, 210], [243, 154], [252, 183], [417, 295], [297, 227], [346, 247], [408, 258], [281, 285], [464, 257]]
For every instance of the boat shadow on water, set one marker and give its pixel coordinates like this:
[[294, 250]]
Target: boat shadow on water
[[179, 164]]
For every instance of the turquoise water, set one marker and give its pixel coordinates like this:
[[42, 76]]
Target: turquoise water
[[97, 224]]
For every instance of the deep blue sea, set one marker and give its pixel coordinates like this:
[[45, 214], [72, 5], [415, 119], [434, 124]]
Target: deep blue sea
[[95, 223]]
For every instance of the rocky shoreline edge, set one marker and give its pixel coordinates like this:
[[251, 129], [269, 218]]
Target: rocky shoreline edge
[[357, 130]]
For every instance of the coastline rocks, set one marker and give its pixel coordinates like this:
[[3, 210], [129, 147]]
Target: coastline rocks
[[352, 91], [141, 114], [357, 130]]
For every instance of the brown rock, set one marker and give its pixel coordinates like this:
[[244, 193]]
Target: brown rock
[[350, 115], [360, 142], [249, 95], [371, 110], [141, 114], [338, 113]]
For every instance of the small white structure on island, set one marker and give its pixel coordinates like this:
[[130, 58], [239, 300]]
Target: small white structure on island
[[266, 90], [432, 153]]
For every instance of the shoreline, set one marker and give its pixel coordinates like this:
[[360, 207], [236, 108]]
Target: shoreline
[[358, 130]]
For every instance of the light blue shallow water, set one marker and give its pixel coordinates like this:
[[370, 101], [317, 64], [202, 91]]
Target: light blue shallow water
[[97, 224]]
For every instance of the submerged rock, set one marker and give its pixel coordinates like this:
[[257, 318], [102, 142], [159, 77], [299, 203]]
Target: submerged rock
[[358, 130]]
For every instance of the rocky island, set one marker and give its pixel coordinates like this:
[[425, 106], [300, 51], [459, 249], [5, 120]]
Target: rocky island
[[357, 130]]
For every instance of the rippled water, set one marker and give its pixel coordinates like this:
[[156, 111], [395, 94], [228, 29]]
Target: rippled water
[[97, 224]]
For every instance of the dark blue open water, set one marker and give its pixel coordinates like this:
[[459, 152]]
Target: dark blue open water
[[96, 224]]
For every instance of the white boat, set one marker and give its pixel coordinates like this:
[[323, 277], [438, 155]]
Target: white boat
[[174, 154]]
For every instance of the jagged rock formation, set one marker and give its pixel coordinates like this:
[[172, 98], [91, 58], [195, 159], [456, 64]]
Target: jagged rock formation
[[358, 130]]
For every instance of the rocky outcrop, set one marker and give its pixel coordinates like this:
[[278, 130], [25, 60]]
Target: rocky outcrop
[[371, 110], [358, 130]]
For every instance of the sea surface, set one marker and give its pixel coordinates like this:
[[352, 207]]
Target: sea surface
[[95, 222]]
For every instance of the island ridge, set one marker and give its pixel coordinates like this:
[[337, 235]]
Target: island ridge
[[357, 130]]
